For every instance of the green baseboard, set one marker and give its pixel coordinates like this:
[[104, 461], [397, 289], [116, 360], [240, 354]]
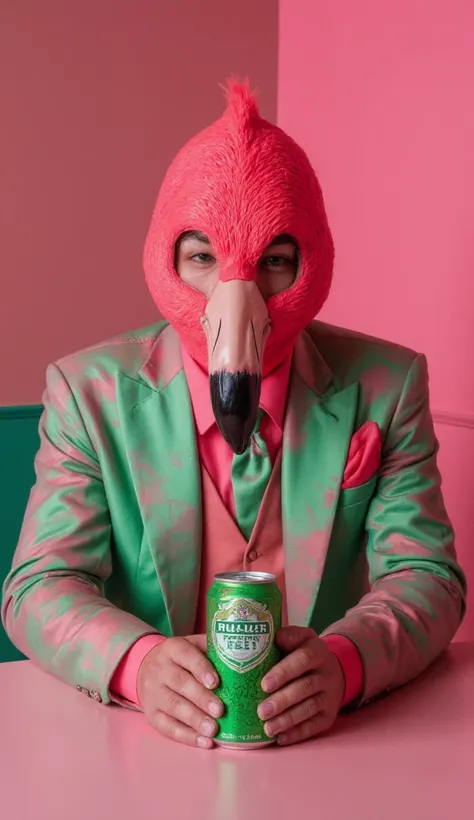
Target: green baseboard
[[19, 442]]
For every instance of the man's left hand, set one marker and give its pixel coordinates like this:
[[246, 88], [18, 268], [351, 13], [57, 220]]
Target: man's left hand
[[307, 688]]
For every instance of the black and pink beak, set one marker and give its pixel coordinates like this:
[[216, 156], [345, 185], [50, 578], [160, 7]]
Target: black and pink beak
[[237, 326]]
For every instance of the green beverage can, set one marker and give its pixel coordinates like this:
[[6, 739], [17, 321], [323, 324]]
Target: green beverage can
[[243, 614]]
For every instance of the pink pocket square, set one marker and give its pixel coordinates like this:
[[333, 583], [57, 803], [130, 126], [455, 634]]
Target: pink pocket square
[[363, 459]]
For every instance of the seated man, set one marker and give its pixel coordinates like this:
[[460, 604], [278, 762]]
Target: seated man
[[238, 434]]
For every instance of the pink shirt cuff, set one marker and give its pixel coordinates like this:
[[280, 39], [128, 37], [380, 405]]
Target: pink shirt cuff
[[348, 656], [124, 680]]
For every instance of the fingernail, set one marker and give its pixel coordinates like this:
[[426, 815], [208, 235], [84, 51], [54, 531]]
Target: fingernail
[[205, 743], [215, 709], [282, 739], [266, 709], [271, 729], [209, 680], [269, 684], [208, 728]]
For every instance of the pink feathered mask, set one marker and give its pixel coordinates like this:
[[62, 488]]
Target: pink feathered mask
[[242, 182]]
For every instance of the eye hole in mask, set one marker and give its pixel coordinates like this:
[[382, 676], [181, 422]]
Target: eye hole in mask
[[197, 264]]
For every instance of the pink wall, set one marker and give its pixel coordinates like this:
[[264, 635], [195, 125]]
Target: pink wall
[[380, 95], [97, 96]]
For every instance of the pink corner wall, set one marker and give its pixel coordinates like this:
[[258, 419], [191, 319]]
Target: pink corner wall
[[380, 96], [97, 96], [96, 99]]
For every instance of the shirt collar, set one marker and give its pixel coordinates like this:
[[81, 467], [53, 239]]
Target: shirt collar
[[272, 398]]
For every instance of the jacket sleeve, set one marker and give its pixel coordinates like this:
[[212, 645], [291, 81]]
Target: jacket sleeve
[[417, 596], [53, 607]]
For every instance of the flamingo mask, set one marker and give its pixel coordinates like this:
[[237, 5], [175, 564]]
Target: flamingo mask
[[241, 182]]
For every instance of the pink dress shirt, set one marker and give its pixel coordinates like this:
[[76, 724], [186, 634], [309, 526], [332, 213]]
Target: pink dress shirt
[[216, 455]]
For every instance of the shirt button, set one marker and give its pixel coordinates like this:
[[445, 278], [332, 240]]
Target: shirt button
[[252, 556]]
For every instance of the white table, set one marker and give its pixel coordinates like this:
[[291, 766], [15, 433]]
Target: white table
[[409, 756]]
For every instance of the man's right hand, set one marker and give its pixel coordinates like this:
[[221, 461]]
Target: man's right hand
[[174, 687]]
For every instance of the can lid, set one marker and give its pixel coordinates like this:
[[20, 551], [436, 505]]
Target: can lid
[[246, 577]]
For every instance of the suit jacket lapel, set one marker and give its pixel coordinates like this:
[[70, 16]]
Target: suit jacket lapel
[[157, 420], [318, 428]]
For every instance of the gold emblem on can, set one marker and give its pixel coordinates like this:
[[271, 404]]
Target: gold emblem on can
[[242, 633]]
